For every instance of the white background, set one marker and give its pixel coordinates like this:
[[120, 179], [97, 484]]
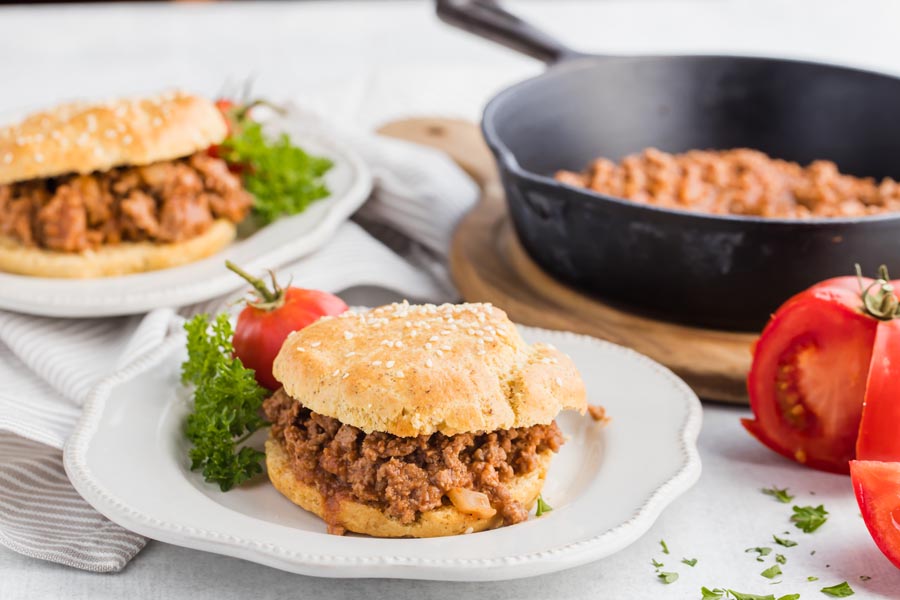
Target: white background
[[364, 63]]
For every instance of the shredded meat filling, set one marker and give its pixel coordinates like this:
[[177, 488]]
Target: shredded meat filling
[[739, 182], [406, 476], [163, 202]]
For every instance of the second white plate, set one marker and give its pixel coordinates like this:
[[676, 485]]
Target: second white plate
[[289, 238], [128, 458]]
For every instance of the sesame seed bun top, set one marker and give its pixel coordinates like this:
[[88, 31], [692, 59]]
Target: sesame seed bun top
[[411, 370], [83, 137]]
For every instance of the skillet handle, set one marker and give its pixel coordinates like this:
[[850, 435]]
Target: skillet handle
[[487, 19]]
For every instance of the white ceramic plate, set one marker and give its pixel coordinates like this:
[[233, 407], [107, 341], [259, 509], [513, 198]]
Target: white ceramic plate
[[284, 240], [127, 458]]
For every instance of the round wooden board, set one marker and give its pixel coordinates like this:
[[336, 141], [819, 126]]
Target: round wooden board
[[489, 265]]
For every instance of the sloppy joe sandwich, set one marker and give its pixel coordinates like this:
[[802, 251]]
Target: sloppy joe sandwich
[[91, 190], [417, 421]]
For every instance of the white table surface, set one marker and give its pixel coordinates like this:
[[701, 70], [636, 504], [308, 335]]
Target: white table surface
[[364, 63]]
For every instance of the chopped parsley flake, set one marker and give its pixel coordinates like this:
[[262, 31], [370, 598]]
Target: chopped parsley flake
[[812, 578], [760, 552], [668, 577], [712, 594], [841, 590], [809, 518], [779, 494], [656, 563], [689, 561], [665, 548], [772, 572], [784, 542], [740, 596], [542, 506], [780, 559]]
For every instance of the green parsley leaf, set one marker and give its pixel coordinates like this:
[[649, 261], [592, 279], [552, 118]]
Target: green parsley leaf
[[784, 542], [772, 572], [790, 597], [760, 552], [812, 578], [779, 494], [283, 179], [740, 596], [712, 594], [542, 506], [780, 559], [689, 562], [656, 563], [809, 518], [665, 548], [668, 577], [227, 400], [841, 590]]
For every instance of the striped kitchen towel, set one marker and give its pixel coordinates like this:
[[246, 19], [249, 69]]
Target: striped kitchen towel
[[49, 366]]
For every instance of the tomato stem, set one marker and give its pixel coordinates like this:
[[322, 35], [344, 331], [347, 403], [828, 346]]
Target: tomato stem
[[268, 299], [881, 303]]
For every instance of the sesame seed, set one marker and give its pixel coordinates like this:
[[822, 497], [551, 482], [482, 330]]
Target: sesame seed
[[482, 352], [157, 121], [127, 139], [92, 123], [38, 157], [345, 376], [439, 353], [376, 363], [558, 381], [348, 335], [389, 364], [399, 374], [315, 344], [446, 347], [428, 346], [301, 349], [429, 363], [7, 158], [336, 372], [110, 133], [398, 344], [349, 354], [433, 338]]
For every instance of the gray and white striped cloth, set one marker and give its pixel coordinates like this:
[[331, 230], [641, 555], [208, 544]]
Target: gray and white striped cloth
[[48, 366]]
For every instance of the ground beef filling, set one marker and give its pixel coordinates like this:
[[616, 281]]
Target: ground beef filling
[[405, 476], [738, 182], [163, 202]]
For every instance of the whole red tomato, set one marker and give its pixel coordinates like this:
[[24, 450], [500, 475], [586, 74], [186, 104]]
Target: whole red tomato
[[825, 354], [266, 321]]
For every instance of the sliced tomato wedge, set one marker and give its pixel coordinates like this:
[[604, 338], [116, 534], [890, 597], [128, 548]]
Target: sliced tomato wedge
[[809, 373], [877, 488], [879, 431]]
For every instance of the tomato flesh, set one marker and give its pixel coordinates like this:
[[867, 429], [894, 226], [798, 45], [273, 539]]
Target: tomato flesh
[[808, 378], [877, 488], [879, 431]]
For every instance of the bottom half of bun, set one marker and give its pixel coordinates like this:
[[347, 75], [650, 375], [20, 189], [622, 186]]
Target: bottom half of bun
[[370, 520], [112, 260]]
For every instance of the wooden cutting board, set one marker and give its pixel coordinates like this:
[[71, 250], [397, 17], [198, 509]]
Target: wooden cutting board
[[489, 265]]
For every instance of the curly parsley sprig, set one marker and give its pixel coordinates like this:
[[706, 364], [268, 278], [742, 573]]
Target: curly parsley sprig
[[282, 177], [227, 403]]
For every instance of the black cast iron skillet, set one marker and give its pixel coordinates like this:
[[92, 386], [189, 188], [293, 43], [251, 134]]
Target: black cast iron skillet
[[726, 272]]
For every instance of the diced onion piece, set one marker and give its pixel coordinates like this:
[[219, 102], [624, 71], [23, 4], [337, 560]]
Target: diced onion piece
[[471, 502]]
